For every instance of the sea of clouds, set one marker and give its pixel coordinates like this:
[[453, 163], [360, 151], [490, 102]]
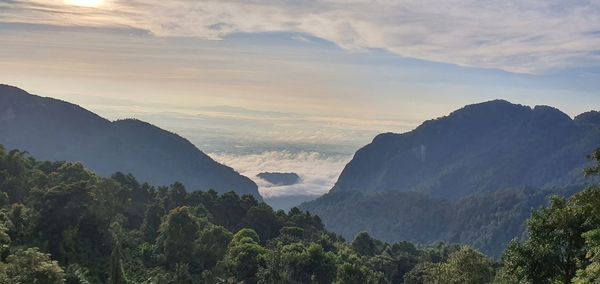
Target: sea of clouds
[[318, 171]]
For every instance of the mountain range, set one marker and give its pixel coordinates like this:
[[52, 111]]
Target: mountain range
[[495, 160], [471, 177], [52, 129]]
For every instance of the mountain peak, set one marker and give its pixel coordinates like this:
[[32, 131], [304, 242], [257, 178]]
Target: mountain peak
[[590, 117], [492, 108], [498, 142], [11, 90], [52, 129], [549, 115]]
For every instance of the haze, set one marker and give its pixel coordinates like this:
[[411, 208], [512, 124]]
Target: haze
[[299, 86]]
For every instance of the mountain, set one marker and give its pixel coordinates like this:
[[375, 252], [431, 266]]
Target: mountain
[[51, 129], [409, 186]]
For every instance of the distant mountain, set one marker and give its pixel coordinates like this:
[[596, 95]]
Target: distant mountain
[[280, 179], [51, 129], [472, 153]]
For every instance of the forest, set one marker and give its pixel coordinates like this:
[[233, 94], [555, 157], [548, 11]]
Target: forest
[[61, 223]]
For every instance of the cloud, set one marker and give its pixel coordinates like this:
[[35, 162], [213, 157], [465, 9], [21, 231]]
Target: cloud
[[318, 172], [518, 36]]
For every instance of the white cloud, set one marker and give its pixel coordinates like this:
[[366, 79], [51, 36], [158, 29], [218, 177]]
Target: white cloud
[[318, 172], [513, 35]]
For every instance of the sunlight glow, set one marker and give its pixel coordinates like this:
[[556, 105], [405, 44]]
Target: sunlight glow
[[85, 3]]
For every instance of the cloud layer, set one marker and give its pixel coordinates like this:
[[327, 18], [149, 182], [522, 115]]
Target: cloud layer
[[318, 172], [518, 36]]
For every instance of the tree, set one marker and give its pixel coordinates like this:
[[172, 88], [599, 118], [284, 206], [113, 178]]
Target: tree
[[117, 273], [262, 219], [5, 242], [594, 170], [557, 247], [245, 256], [591, 273], [15, 168], [152, 221], [109, 200], [467, 266], [31, 266], [298, 263], [554, 247], [61, 210], [211, 246], [176, 237], [396, 260], [353, 270], [22, 219], [364, 244], [425, 272], [464, 265], [176, 196]]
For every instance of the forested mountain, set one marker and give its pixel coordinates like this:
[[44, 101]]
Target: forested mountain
[[482, 147], [60, 223], [55, 130], [471, 177], [485, 221]]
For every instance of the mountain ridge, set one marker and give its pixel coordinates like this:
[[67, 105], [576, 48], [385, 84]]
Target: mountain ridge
[[484, 126], [462, 161], [57, 130]]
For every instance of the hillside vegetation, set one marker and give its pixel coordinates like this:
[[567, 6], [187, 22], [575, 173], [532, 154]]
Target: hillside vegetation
[[60, 223], [471, 177]]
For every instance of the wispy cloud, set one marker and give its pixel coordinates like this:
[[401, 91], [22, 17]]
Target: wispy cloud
[[517, 36]]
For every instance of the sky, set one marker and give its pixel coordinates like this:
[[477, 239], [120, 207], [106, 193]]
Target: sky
[[285, 85]]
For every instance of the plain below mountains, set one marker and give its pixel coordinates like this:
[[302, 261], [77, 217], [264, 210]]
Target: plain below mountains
[[51, 129], [471, 177]]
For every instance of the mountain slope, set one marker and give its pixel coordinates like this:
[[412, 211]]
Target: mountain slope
[[481, 147], [56, 130], [495, 160]]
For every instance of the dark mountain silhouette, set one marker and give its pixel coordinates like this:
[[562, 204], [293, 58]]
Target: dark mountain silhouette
[[51, 129], [471, 153]]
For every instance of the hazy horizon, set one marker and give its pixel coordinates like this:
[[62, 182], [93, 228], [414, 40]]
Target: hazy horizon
[[299, 86], [247, 141]]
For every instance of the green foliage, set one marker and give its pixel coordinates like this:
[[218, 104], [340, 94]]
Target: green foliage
[[116, 230], [354, 270], [177, 235], [468, 266], [117, 274], [563, 242], [5, 241], [245, 256], [298, 263], [594, 170], [464, 265], [152, 220], [364, 245], [75, 274], [425, 272], [591, 273], [398, 259], [556, 246], [211, 246], [487, 221], [31, 266]]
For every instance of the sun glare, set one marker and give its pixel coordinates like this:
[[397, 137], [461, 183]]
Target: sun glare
[[84, 3]]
